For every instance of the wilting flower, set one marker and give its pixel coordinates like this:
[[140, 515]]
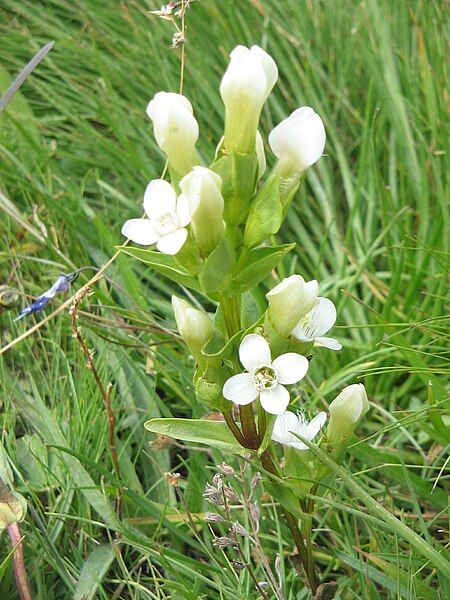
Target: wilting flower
[[12, 506], [346, 410], [289, 301], [167, 219], [264, 378], [202, 187], [194, 326], [176, 130], [245, 86], [62, 284], [313, 326], [298, 141], [289, 423]]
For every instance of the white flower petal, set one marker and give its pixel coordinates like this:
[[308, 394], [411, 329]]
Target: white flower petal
[[323, 317], [315, 425], [284, 424], [159, 197], [173, 242], [254, 351], [184, 216], [240, 389], [290, 367], [140, 231], [276, 400], [327, 342]]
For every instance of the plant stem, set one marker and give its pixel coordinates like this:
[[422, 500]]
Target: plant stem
[[235, 429], [20, 572], [249, 426]]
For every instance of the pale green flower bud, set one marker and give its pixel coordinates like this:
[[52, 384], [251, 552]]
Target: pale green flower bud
[[175, 129], [202, 187], [298, 141], [345, 411], [289, 301], [194, 326], [12, 506], [245, 86]]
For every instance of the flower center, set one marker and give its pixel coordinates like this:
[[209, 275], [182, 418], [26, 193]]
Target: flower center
[[264, 377], [307, 325], [166, 223]]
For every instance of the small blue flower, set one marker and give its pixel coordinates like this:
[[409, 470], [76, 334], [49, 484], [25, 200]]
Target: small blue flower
[[62, 284]]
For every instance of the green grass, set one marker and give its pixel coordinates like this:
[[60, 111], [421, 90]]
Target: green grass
[[371, 224]]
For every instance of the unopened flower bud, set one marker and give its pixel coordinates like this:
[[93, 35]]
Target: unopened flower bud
[[213, 517], [202, 187], [223, 542], [176, 130], [346, 410], [226, 469], [12, 506], [298, 141], [194, 326], [245, 86], [239, 529], [230, 493], [289, 301]]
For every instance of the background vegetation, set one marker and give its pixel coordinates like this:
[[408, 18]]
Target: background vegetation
[[371, 224]]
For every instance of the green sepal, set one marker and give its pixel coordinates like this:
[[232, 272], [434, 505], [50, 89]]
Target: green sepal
[[278, 344], [164, 264], [249, 310], [265, 214], [298, 470], [209, 385], [219, 347], [258, 264], [215, 434], [239, 175], [270, 422], [216, 274]]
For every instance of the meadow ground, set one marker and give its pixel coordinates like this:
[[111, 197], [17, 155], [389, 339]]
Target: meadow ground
[[371, 224]]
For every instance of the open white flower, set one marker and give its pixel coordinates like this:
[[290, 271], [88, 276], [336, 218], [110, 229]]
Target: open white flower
[[313, 326], [289, 301], [289, 423], [264, 378], [299, 140], [167, 219]]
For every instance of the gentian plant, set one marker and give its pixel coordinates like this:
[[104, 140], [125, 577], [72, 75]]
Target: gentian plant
[[210, 230]]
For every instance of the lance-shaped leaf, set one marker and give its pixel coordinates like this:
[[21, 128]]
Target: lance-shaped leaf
[[211, 433]]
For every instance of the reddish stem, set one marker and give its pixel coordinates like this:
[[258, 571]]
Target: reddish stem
[[20, 572]]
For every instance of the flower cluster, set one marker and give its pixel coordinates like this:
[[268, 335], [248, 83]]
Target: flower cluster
[[213, 224]]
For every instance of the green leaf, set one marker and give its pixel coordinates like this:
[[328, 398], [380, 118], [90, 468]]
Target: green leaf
[[200, 431], [94, 569], [265, 215], [215, 276], [5, 563], [260, 262], [285, 496], [165, 264]]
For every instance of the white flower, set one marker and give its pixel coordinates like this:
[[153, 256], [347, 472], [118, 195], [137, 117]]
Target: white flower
[[264, 377], [203, 189], [346, 410], [195, 327], [289, 301], [167, 219], [289, 423], [313, 326], [245, 86], [175, 128], [299, 140]]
